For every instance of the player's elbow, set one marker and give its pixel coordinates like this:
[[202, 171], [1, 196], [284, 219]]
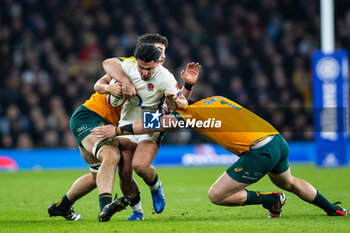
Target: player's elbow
[[97, 87], [109, 62]]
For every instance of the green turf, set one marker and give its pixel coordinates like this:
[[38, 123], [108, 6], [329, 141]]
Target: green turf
[[25, 196]]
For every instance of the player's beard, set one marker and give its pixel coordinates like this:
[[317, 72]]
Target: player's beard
[[146, 78]]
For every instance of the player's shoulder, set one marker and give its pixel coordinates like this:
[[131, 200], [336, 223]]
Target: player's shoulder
[[129, 63], [129, 60], [164, 72]]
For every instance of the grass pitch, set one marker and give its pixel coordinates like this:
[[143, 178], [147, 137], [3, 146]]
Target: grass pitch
[[25, 196]]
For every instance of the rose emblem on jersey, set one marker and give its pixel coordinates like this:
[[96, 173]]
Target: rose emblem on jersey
[[150, 87]]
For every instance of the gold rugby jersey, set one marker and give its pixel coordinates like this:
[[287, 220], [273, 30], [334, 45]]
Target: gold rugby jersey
[[229, 124]]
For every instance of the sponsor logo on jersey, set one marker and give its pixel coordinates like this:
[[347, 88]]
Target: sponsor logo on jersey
[[82, 128]]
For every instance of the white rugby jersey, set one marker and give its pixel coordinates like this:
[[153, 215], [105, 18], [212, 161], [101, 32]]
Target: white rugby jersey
[[148, 93]]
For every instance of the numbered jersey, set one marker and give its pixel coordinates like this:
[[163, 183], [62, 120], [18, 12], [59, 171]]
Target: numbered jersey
[[230, 125], [149, 93]]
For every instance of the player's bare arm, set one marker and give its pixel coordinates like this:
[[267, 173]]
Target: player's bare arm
[[190, 77], [113, 68], [102, 86]]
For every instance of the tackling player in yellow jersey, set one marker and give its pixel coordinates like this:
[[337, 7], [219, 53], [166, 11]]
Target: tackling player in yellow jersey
[[102, 156], [262, 150]]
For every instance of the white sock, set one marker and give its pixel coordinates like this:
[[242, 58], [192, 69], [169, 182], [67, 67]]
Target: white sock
[[154, 187], [137, 207]]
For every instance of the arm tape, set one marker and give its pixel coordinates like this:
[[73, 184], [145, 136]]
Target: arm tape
[[124, 130], [188, 86]]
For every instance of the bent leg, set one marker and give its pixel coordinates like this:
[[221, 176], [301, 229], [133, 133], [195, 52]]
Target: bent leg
[[306, 192], [127, 183], [106, 151], [228, 192], [144, 155], [300, 187], [80, 188], [84, 184], [109, 155]]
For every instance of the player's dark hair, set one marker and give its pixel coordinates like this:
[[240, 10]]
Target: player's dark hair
[[147, 53], [152, 39]]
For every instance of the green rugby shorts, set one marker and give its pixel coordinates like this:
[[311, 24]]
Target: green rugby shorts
[[254, 164], [83, 120]]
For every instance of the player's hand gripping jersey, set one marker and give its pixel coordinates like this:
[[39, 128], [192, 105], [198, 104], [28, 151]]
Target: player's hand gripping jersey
[[240, 128], [148, 93]]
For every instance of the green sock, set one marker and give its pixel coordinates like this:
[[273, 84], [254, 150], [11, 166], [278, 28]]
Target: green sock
[[105, 198], [323, 203], [64, 204], [254, 198]]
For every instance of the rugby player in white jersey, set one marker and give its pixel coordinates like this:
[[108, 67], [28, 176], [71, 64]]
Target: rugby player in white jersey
[[151, 80]]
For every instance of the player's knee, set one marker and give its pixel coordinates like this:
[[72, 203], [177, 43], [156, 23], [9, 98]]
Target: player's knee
[[214, 196], [140, 168], [288, 185], [106, 148], [109, 154]]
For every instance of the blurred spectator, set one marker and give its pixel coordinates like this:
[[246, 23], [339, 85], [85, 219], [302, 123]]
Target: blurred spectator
[[7, 141], [91, 55], [50, 139], [254, 52], [69, 140], [24, 141]]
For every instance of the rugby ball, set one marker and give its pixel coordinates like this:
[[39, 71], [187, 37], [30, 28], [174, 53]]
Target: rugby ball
[[113, 100]]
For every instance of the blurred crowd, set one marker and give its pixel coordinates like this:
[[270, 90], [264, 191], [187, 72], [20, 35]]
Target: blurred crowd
[[256, 53]]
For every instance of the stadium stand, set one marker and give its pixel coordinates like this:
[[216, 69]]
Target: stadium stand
[[254, 52]]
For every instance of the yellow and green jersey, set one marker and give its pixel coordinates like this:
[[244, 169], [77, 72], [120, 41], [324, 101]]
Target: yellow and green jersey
[[228, 124], [98, 103]]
